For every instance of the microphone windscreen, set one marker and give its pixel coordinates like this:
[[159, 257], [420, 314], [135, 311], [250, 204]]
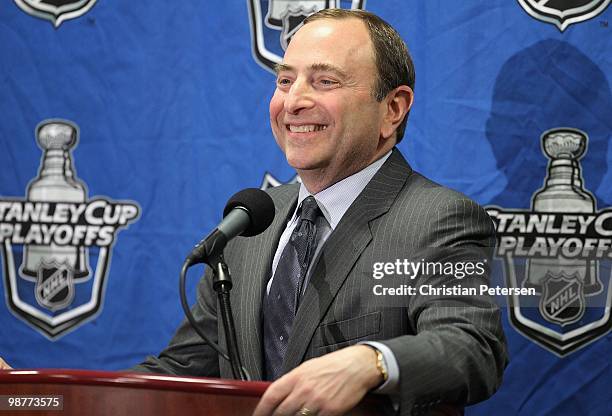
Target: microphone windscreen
[[258, 204]]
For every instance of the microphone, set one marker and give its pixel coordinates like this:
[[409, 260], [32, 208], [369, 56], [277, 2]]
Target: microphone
[[247, 213]]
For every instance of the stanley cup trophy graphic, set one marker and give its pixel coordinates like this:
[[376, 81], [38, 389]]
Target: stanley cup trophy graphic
[[55, 268], [563, 193], [288, 15], [277, 9]]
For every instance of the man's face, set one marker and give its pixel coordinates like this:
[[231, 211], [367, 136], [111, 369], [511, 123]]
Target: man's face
[[323, 113]]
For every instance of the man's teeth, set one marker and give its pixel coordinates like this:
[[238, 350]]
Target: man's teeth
[[306, 128]]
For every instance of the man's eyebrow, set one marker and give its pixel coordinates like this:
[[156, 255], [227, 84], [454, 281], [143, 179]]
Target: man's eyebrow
[[328, 68], [282, 67], [314, 67]]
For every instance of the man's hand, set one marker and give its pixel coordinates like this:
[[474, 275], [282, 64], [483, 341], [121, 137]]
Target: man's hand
[[4, 365], [329, 385]]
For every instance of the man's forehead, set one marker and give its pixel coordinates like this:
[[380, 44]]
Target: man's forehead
[[330, 45], [342, 31]]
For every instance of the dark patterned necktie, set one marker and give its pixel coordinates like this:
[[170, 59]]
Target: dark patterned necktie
[[281, 304]]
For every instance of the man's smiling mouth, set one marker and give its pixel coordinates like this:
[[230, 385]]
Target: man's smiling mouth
[[305, 128]]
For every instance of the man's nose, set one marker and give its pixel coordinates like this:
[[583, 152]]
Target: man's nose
[[299, 97]]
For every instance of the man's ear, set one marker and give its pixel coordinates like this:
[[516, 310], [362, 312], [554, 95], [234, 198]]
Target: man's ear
[[398, 103]]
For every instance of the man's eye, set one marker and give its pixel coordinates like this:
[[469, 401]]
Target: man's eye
[[283, 81], [327, 82]]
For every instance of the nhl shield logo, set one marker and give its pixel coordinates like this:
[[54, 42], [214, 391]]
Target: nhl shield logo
[[54, 286], [56, 11], [560, 250], [274, 22], [56, 242], [563, 299], [563, 13]]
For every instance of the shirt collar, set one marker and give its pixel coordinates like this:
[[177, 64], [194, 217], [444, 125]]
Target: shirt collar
[[335, 200]]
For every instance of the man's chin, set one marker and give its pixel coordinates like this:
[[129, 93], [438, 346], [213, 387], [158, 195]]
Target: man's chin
[[304, 164]]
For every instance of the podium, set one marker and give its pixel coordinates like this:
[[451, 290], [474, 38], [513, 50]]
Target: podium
[[105, 393]]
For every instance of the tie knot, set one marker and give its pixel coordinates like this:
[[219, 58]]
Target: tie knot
[[310, 209]]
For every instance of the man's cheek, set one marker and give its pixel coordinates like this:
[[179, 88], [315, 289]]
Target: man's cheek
[[280, 141], [276, 105], [278, 130]]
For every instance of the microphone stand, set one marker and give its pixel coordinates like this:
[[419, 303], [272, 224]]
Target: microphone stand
[[222, 284], [247, 213]]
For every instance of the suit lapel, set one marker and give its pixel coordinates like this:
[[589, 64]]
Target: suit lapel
[[341, 251], [259, 255]]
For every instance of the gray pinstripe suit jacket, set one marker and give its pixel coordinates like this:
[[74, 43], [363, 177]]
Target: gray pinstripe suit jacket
[[450, 353]]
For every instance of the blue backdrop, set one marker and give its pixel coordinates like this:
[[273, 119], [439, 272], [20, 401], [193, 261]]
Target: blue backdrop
[[170, 104]]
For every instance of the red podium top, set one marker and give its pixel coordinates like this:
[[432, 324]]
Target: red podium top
[[119, 393], [134, 380]]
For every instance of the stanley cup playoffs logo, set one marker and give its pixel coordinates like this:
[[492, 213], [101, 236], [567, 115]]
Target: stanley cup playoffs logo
[[274, 22], [52, 238], [561, 248]]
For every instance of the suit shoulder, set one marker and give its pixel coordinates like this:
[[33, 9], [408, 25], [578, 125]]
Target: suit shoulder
[[443, 214], [284, 193], [435, 196]]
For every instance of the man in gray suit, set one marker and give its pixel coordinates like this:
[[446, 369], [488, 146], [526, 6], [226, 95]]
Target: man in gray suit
[[343, 94]]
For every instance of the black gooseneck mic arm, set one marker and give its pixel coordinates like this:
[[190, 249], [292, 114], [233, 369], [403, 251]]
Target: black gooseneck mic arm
[[247, 213], [222, 284], [188, 314]]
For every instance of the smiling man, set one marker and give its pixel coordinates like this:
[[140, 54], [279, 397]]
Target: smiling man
[[305, 312], [325, 114]]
